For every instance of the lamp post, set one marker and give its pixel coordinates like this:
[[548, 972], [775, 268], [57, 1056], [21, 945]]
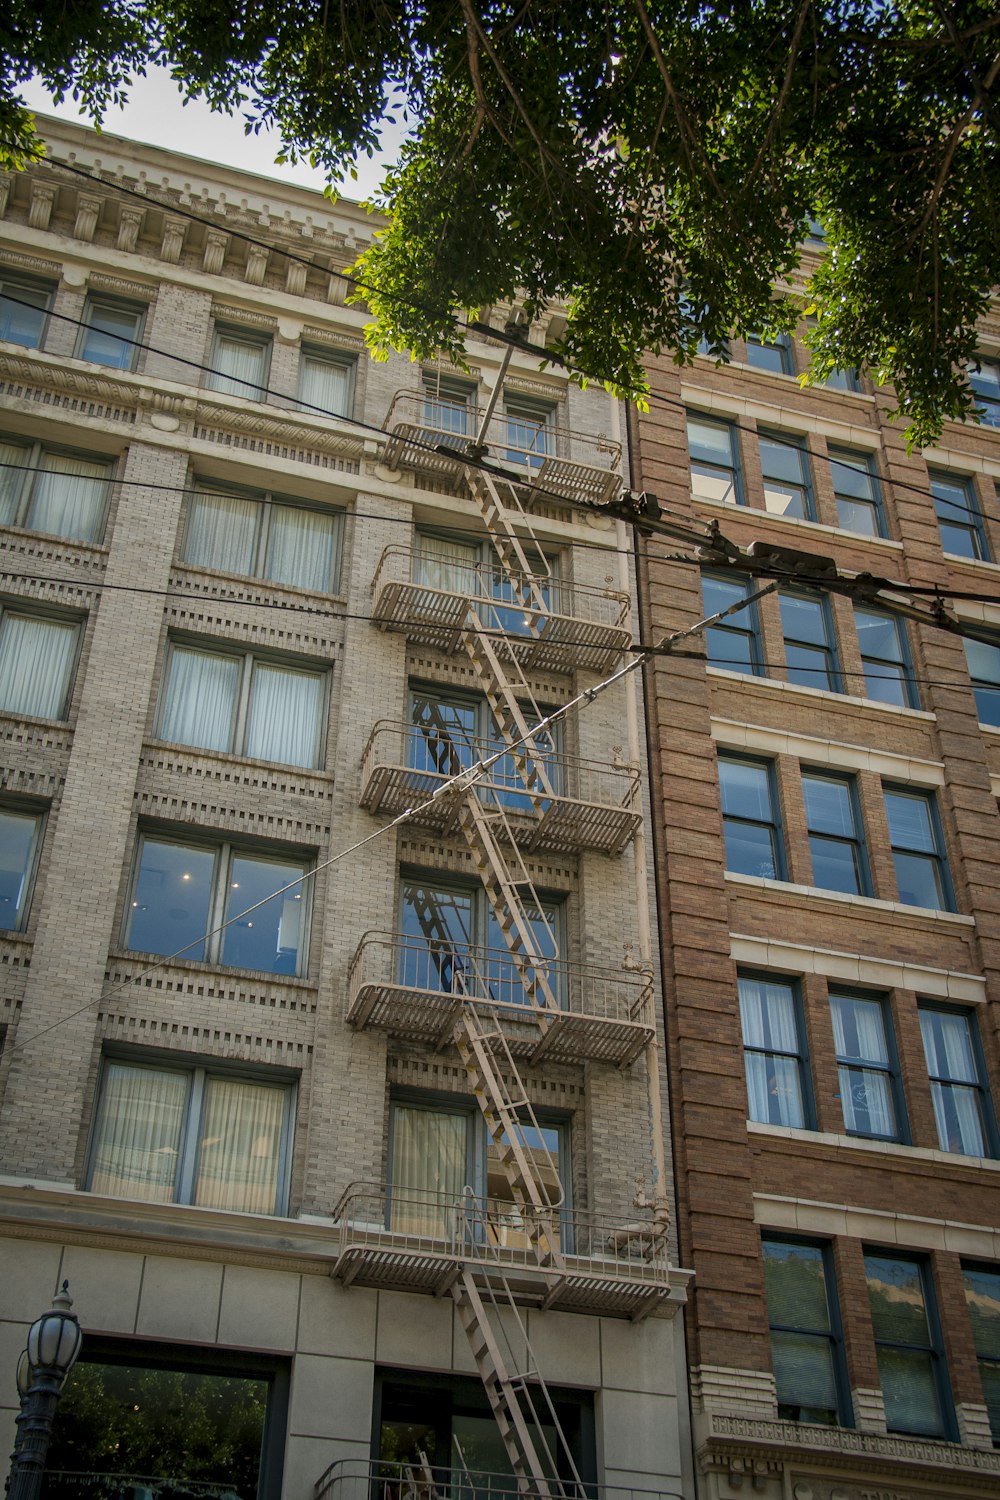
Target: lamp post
[[54, 1342]]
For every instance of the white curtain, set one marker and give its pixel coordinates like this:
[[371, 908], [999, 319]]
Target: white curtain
[[774, 1091], [948, 1048], [285, 716], [222, 533], [301, 548], [239, 1157], [36, 658], [13, 458], [239, 367], [428, 1170], [139, 1133], [864, 1092], [443, 564], [325, 384], [69, 498], [199, 706]]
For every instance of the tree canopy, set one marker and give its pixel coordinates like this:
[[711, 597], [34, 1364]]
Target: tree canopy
[[650, 163]]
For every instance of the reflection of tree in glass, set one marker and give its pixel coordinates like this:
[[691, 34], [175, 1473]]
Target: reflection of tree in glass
[[172, 1424]]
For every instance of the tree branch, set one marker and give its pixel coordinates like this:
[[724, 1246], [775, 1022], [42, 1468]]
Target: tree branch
[[805, 7], [689, 140], [961, 126]]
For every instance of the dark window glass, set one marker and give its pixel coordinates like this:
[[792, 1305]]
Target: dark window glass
[[835, 842], [859, 500], [869, 1094], [111, 334], [884, 658], [810, 653], [984, 670], [982, 1296], [985, 382], [715, 472], [23, 309], [20, 836], [909, 1357], [734, 643], [921, 870], [776, 356], [959, 519], [773, 1051], [787, 482], [748, 813], [805, 1348], [954, 1065]]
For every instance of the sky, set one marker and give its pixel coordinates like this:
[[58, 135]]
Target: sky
[[156, 115]]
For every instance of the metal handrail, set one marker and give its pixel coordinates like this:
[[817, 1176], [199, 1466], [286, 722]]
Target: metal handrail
[[389, 1479], [442, 422]]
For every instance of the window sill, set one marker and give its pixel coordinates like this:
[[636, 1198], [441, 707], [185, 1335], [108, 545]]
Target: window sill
[[271, 768], [249, 587], [868, 1143], [776, 684], [223, 973], [868, 903], [97, 550]]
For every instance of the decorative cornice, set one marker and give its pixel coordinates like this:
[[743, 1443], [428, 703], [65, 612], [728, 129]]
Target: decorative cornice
[[839, 1448], [30, 263], [224, 312]]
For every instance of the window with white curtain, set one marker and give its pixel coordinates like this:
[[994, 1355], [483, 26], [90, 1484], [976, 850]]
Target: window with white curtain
[[464, 565], [240, 360], [37, 657], [111, 332], [236, 906], [179, 1134], [243, 704], [773, 1052], [962, 1110], [63, 494], [866, 1067], [326, 382], [24, 308], [260, 535]]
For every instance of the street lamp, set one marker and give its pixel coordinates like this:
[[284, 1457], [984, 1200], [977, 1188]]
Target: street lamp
[[54, 1342]]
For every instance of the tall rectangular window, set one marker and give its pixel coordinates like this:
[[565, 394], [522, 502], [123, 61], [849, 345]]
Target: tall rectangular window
[[856, 487], [985, 382], [961, 524], [264, 536], [37, 657], [982, 1297], [787, 481], [20, 839], [806, 1348], [866, 1067], [189, 1135], [715, 465], [775, 356], [984, 671], [836, 844], [239, 363], [326, 382], [530, 433], [918, 849], [244, 705], [773, 1053], [749, 818], [910, 1361], [843, 380], [111, 332], [810, 650], [63, 494], [962, 1109], [734, 643], [194, 901], [884, 658], [24, 307]]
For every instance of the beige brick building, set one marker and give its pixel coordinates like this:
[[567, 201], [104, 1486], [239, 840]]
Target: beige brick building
[[827, 870], [282, 1094]]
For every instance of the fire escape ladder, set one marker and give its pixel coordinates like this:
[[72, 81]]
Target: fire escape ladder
[[507, 712], [509, 547]]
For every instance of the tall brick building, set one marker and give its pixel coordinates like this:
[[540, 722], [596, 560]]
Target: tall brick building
[[827, 870], [288, 1098]]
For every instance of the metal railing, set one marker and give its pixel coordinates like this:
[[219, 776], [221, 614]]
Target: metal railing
[[63, 1484], [386, 1479]]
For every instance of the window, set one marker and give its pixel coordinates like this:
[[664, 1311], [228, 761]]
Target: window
[[909, 1354], [985, 382], [984, 670], [462, 566], [449, 406], [773, 1053], [530, 430], [815, 231], [810, 653], [955, 1068], [449, 733], [833, 821], [734, 643], [982, 1297], [753, 846], [239, 363], [452, 942], [37, 657], [787, 484], [60, 493], [111, 333], [856, 487], [24, 306], [183, 893], [885, 660], [866, 1071], [776, 356], [805, 1343], [843, 380], [917, 853], [264, 536], [20, 840], [715, 466], [436, 1148], [190, 1135], [243, 704], [326, 382], [962, 531]]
